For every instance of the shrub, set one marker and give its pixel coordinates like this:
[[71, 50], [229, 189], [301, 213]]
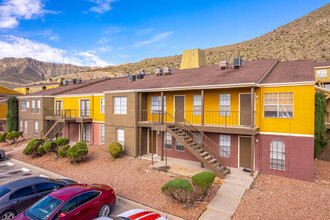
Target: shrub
[[320, 130], [50, 147], [63, 151], [115, 149], [62, 142], [203, 182], [78, 152], [32, 148], [12, 114], [180, 190], [13, 136], [41, 150], [3, 137]]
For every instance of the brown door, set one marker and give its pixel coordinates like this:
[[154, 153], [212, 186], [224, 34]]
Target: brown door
[[245, 152], [152, 141], [245, 109], [179, 108]]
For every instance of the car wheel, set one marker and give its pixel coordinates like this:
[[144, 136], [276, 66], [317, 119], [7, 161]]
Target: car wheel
[[7, 215], [104, 210]]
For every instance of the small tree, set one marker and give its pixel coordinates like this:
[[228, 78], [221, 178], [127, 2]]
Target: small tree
[[320, 130], [12, 114]]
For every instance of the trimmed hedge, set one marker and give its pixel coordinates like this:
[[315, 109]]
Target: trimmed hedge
[[115, 149], [12, 114], [78, 152], [3, 137], [50, 146], [203, 181], [180, 190], [63, 151], [14, 135], [62, 142], [32, 148], [41, 150]]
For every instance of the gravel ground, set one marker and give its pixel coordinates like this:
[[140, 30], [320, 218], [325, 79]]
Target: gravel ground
[[129, 177], [274, 197]]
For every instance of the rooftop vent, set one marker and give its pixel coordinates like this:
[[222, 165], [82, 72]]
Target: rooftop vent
[[78, 81], [65, 82], [237, 63], [143, 72], [159, 72], [127, 75], [139, 76], [168, 71], [73, 81], [132, 78], [223, 65]]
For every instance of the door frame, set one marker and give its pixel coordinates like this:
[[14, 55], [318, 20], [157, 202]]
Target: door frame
[[148, 141], [239, 106], [239, 151], [58, 100], [184, 106]]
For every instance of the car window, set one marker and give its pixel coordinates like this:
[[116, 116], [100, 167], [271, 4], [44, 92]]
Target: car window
[[42, 187], [88, 196], [23, 192], [70, 205], [3, 191]]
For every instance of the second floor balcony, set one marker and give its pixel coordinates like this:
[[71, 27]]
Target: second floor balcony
[[78, 115]]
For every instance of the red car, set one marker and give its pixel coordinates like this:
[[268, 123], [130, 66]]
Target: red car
[[75, 202]]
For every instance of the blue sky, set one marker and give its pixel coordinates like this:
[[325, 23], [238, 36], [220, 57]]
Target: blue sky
[[105, 32]]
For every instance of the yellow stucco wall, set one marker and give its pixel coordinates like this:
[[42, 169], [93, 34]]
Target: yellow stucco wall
[[194, 58], [4, 90], [322, 79], [73, 103], [3, 110], [303, 111]]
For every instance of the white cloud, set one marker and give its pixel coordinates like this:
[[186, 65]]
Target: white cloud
[[11, 11], [102, 6], [144, 31], [12, 46], [154, 39]]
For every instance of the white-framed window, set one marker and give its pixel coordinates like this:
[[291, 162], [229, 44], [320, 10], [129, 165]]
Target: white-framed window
[[102, 132], [27, 104], [278, 105], [20, 125], [277, 155], [224, 105], [38, 106], [25, 127], [23, 105], [156, 103], [321, 73], [168, 141], [197, 105], [86, 133], [120, 105], [33, 105], [36, 127], [120, 137], [102, 108], [23, 90], [224, 143], [178, 146]]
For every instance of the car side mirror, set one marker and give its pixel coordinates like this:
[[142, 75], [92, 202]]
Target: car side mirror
[[62, 215]]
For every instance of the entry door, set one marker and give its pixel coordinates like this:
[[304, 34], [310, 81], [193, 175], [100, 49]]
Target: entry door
[[245, 152], [59, 107], [84, 108], [245, 109], [152, 141], [86, 133], [179, 109]]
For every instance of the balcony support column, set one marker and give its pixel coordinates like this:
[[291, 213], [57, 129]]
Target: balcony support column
[[252, 107], [81, 131], [252, 154], [162, 107], [202, 121]]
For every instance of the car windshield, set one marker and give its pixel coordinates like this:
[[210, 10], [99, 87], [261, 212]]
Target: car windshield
[[3, 191], [44, 208]]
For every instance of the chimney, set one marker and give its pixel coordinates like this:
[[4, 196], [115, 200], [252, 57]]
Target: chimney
[[223, 65], [194, 58]]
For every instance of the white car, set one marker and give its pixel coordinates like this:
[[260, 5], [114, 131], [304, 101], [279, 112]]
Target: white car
[[135, 214]]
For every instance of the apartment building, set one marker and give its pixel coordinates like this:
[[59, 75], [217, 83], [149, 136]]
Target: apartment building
[[37, 88], [257, 115]]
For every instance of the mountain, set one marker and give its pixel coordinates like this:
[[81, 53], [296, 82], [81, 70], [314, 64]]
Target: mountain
[[27, 70]]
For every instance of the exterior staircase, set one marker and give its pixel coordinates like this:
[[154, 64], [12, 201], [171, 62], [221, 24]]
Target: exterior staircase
[[200, 151], [54, 130]]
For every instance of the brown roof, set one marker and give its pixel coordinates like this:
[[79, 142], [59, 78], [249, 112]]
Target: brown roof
[[37, 85], [291, 71], [320, 64], [3, 99], [251, 72]]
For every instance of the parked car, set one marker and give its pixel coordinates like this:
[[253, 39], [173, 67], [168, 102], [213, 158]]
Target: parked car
[[18, 195], [2, 155], [75, 202], [133, 214]]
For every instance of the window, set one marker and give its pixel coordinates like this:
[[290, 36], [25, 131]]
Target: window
[[278, 105], [25, 127], [102, 131], [102, 105], [26, 191], [321, 73], [33, 103], [156, 103], [27, 104], [88, 196], [120, 105], [197, 105], [42, 187], [35, 127], [197, 137], [38, 106], [84, 108], [178, 146], [23, 105], [120, 136], [86, 133], [70, 205], [277, 155], [168, 141], [224, 105], [20, 125], [224, 143]]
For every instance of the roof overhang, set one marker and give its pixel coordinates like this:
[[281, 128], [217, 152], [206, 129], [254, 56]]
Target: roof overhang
[[306, 83], [321, 67]]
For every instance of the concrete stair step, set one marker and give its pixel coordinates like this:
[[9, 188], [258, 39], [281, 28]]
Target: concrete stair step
[[224, 204], [232, 191], [211, 214]]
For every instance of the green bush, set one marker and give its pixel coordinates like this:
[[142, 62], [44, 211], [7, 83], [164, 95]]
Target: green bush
[[50, 146], [3, 137], [180, 190], [62, 142], [320, 130], [32, 148], [203, 181], [63, 151], [115, 149], [12, 114], [13, 136], [78, 152], [41, 150]]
